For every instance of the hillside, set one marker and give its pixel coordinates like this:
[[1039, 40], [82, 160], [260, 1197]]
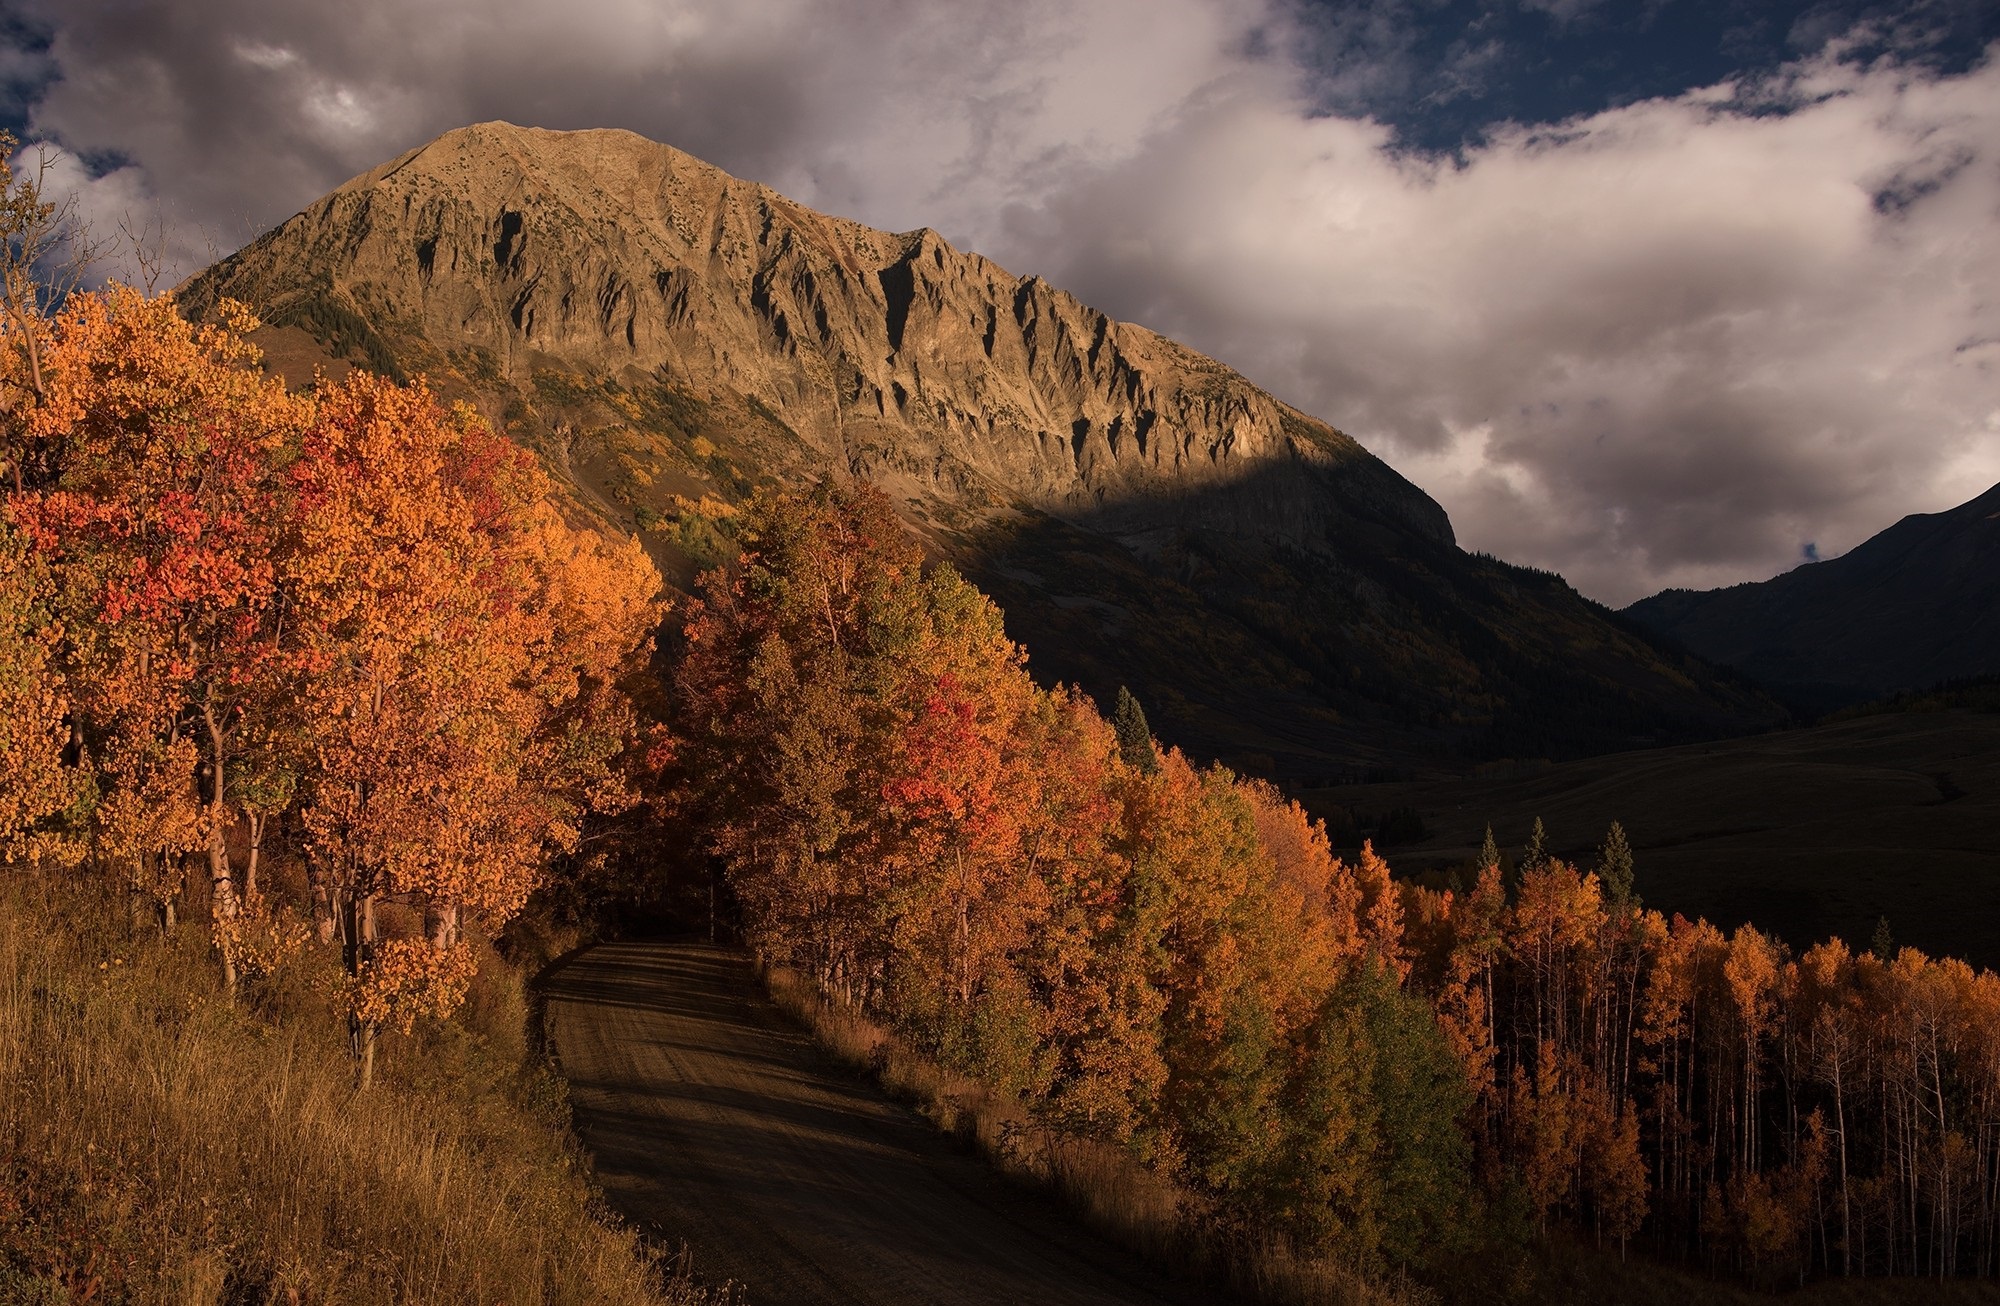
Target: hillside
[[1914, 606], [668, 338], [1806, 832]]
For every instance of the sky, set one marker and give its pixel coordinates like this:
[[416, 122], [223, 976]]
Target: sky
[[1647, 292]]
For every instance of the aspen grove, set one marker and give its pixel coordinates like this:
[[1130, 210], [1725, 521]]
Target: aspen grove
[[347, 613], [1174, 958]]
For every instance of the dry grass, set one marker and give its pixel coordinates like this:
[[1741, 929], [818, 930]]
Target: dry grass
[[1103, 1183], [157, 1145]]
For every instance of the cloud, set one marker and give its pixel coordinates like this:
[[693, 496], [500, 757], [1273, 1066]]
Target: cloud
[[1658, 346], [1661, 344]]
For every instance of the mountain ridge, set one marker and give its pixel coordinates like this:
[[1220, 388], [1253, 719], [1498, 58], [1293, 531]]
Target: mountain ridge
[[1914, 605], [668, 337]]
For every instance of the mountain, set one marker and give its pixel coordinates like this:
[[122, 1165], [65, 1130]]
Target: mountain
[[1913, 606], [668, 338]]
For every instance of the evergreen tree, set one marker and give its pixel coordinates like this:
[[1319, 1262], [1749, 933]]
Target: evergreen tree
[[1614, 869], [1537, 851], [1883, 945], [1489, 851], [1135, 739]]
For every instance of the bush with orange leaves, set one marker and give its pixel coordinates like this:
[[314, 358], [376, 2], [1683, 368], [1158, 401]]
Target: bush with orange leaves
[[407, 979]]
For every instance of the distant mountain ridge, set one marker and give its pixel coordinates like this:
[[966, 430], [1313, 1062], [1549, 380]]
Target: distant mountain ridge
[[667, 337], [1911, 607]]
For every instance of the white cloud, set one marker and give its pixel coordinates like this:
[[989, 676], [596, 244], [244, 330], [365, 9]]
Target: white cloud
[[259, 55], [1670, 343]]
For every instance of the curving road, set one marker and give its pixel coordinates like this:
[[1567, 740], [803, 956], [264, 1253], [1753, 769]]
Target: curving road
[[714, 1120]]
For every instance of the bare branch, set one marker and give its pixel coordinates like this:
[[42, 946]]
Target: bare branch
[[147, 243]]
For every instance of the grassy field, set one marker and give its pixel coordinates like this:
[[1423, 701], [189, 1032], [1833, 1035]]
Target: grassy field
[[160, 1146], [1808, 833]]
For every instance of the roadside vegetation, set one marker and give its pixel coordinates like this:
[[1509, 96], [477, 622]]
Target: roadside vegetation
[[298, 695], [160, 1144], [1325, 1065]]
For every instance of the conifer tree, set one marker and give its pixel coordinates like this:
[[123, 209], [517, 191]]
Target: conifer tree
[[1883, 945], [1489, 851], [1135, 738], [1537, 851], [1614, 869]]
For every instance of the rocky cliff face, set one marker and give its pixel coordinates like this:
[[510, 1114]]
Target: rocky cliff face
[[668, 337]]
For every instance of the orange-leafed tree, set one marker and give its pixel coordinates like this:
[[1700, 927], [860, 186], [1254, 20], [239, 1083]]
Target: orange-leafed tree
[[1090, 958], [39, 783], [161, 513], [790, 693], [955, 802], [461, 646]]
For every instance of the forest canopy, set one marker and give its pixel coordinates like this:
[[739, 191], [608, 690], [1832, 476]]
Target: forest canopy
[[1173, 957]]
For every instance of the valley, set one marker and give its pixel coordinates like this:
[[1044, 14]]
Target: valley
[[590, 547], [1808, 833]]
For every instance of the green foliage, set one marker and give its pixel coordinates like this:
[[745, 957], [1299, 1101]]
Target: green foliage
[[1536, 854], [565, 389], [1614, 869], [692, 427], [1135, 738], [1974, 694], [707, 541], [1378, 1167], [340, 329]]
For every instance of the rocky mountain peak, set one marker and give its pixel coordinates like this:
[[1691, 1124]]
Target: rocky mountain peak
[[892, 355], [668, 337]]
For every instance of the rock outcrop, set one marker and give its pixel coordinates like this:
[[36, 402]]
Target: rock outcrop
[[894, 356]]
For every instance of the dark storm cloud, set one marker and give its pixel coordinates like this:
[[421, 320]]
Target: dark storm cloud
[[1661, 343]]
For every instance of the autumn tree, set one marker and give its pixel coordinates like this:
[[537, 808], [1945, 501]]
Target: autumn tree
[[160, 512], [1172, 958], [39, 783], [460, 647]]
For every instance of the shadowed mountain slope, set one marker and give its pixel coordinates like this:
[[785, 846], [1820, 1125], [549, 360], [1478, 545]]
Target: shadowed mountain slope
[[1915, 605], [668, 338]]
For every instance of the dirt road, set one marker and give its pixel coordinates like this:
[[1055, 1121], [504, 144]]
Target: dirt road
[[716, 1121]]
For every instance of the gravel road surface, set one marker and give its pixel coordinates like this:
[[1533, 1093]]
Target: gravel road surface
[[716, 1121]]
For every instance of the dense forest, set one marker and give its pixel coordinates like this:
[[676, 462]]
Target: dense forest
[[335, 668]]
